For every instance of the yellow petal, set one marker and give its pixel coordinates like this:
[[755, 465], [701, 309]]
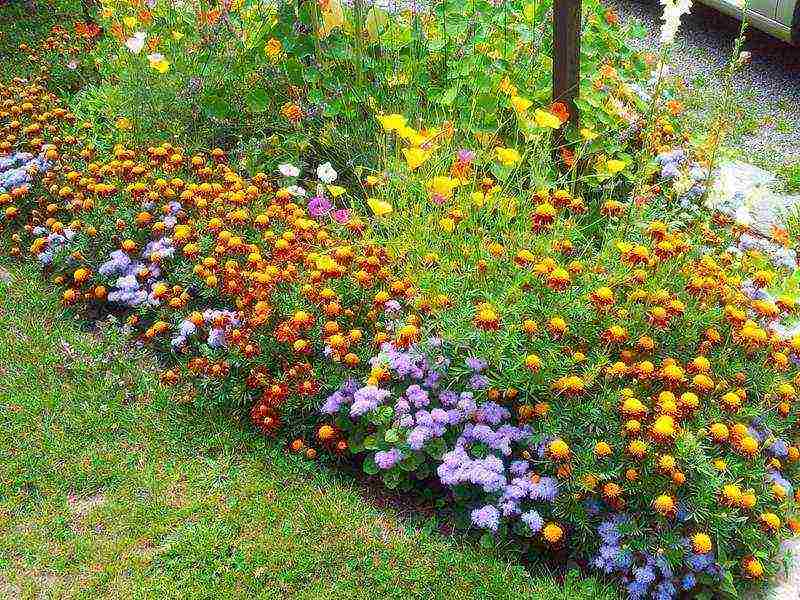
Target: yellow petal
[[545, 118], [520, 104], [336, 190], [130, 22], [379, 208], [415, 157], [392, 122], [615, 166]]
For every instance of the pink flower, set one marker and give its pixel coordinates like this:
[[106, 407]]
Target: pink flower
[[341, 215]]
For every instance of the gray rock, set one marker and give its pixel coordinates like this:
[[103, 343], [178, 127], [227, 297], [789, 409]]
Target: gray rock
[[746, 193]]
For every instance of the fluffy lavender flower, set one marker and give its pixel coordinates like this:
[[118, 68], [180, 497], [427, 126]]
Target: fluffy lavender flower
[[424, 418], [432, 379], [665, 591], [466, 402], [366, 399], [333, 403], [519, 467], [545, 489], [533, 520], [406, 422], [645, 574], [402, 407], [417, 396], [491, 413], [386, 459], [608, 532], [117, 263], [779, 448], [440, 416], [448, 398], [455, 416], [216, 337], [487, 517], [418, 436], [476, 364], [478, 382]]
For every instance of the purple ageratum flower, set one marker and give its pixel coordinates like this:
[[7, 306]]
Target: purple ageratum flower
[[367, 399], [491, 413], [406, 422], [478, 382], [688, 582], [533, 520], [545, 489], [487, 517], [519, 467], [333, 403], [608, 532], [402, 407], [440, 416], [476, 364], [666, 590], [448, 398], [466, 402], [216, 338], [424, 418], [418, 436], [386, 459], [417, 396], [319, 206]]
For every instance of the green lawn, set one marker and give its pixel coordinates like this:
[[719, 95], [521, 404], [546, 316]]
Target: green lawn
[[110, 487]]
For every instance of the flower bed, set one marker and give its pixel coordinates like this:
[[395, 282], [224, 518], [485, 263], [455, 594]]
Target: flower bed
[[585, 363]]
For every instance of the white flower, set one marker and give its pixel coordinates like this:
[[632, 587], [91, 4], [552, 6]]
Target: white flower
[[296, 190], [288, 170], [136, 43], [326, 173]]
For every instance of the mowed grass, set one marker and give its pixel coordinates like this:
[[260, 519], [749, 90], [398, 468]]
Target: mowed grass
[[111, 487]]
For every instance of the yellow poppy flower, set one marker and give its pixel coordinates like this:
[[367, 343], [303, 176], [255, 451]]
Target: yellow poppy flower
[[379, 208], [508, 156], [392, 122], [415, 157]]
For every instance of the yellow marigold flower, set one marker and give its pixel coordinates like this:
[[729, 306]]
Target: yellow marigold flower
[[552, 533], [664, 505], [701, 543], [442, 187], [637, 449], [752, 567], [546, 119], [520, 104], [731, 495], [273, 47], [602, 449], [533, 362], [508, 157], [558, 449], [664, 427]]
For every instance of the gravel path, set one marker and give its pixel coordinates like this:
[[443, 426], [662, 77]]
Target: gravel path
[[767, 114]]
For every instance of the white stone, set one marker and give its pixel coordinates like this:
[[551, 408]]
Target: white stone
[[746, 193]]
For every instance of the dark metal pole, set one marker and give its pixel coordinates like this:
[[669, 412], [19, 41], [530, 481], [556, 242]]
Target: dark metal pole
[[566, 54]]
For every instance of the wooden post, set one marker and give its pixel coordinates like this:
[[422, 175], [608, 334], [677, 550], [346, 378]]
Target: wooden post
[[566, 54]]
